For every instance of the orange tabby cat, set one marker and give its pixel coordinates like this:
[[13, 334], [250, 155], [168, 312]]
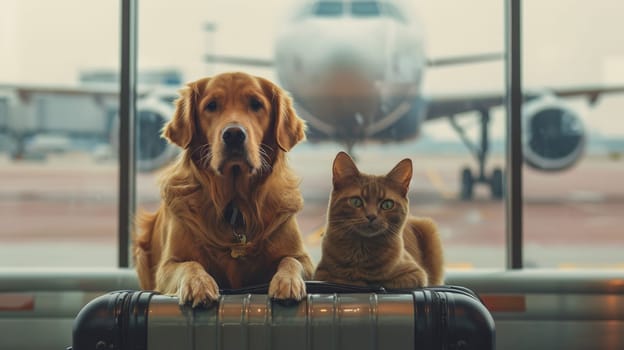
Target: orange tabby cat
[[370, 238]]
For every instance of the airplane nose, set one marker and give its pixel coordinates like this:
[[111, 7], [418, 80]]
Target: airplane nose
[[234, 136], [347, 58], [353, 60]]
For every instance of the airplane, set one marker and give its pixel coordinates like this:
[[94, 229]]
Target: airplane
[[355, 70], [36, 120]]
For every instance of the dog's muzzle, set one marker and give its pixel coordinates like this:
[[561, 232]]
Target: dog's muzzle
[[234, 137], [235, 154]]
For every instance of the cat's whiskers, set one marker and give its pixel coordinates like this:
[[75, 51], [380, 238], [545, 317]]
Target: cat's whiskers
[[341, 223]]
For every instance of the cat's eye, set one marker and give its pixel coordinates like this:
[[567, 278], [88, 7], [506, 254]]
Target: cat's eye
[[355, 202], [387, 204]]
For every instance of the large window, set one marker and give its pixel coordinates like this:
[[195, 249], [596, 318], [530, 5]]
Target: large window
[[573, 216], [59, 81], [58, 172], [473, 228]]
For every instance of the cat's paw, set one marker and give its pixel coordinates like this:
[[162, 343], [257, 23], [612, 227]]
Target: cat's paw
[[411, 280]]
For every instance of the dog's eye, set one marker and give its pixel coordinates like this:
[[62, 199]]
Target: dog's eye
[[255, 104], [211, 106]]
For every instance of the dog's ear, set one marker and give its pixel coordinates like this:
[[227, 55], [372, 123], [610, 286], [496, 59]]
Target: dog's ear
[[289, 128], [181, 128]]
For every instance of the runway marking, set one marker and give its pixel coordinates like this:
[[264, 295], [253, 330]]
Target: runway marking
[[437, 182]]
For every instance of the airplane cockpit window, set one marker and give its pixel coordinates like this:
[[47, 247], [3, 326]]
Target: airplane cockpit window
[[365, 9], [328, 9]]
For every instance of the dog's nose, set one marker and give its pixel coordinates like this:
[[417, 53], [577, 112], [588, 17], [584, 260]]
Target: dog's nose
[[234, 136]]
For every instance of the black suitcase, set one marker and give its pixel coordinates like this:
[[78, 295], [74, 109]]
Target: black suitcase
[[331, 317]]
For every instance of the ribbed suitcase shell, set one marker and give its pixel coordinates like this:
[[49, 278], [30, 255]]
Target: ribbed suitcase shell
[[332, 317]]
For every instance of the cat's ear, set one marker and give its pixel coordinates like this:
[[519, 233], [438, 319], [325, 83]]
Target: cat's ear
[[402, 175], [344, 168]]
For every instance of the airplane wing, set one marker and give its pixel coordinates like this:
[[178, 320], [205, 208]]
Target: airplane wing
[[25, 91], [452, 104], [242, 61], [97, 91], [433, 62], [465, 59]]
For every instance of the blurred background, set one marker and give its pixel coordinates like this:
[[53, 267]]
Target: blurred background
[[59, 124]]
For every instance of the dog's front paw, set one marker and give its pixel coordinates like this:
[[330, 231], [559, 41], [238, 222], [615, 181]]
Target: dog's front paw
[[198, 290], [287, 286]]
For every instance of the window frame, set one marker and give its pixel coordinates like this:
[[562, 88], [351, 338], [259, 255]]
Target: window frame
[[127, 118], [514, 157]]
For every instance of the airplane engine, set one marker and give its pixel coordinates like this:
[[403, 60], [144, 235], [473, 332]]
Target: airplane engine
[[553, 134], [152, 112]]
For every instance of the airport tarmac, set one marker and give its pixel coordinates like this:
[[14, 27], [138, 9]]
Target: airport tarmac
[[63, 211]]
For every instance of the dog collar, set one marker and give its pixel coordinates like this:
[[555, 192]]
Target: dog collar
[[240, 239]]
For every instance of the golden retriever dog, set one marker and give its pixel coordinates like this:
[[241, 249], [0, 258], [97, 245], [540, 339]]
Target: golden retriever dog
[[228, 204]]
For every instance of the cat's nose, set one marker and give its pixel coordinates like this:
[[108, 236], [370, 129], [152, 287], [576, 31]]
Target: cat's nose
[[371, 217]]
